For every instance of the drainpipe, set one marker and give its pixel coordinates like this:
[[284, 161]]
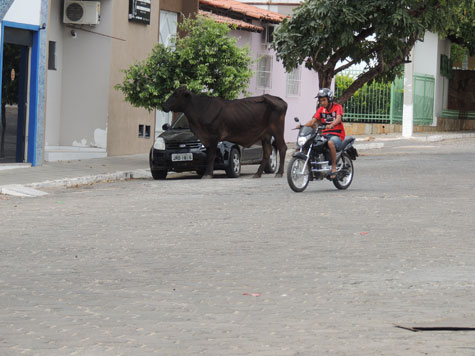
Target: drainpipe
[[408, 107]]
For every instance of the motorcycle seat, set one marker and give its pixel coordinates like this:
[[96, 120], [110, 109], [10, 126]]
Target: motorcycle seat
[[348, 140]]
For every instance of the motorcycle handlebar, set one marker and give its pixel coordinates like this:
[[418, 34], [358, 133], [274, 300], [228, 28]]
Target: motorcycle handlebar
[[320, 127]]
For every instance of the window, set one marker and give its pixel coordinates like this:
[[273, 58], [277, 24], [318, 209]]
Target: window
[[264, 72], [293, 82], [52, 55], [168, 27], [268, 34], [167, 33]]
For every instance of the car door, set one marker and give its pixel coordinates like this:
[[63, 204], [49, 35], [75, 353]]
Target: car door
[[253, 153]]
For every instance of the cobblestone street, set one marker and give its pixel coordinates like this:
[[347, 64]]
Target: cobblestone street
[[246, 266]]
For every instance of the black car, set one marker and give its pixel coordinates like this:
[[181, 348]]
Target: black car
[[178, 149]]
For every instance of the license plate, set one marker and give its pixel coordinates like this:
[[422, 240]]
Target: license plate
[[179, 157]]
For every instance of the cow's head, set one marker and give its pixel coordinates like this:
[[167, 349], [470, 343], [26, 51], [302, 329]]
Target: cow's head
[[178, 100]]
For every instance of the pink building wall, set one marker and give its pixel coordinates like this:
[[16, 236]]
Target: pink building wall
[[302, 106]]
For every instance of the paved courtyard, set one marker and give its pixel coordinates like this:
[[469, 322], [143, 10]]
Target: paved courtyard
[[246, 266]]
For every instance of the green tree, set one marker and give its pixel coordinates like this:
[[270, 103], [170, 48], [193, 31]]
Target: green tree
[[371, 99], [462, 32], [205, 60], [329, 36]]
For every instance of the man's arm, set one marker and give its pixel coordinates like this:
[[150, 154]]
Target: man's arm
[[312, 122], [335, 122]]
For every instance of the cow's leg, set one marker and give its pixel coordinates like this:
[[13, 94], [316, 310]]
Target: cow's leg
[[280, 143], [282, 147], [277, 130], [266, 151], [211, 155]]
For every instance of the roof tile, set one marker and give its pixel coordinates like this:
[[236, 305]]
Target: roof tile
[[245, 9], [229, 21]]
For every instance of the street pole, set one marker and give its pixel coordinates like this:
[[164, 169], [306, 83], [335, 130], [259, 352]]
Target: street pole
[[408, 106]]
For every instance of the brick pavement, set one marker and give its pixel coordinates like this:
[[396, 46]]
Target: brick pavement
[[145, 267]]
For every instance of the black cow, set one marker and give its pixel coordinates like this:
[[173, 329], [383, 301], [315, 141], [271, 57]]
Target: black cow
[[243, 121]]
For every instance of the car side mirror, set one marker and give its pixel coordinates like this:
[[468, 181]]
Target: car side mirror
[[166, 127]]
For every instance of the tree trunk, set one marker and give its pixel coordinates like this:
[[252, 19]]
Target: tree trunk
[[358, 83], [373, 73], [325, 79]]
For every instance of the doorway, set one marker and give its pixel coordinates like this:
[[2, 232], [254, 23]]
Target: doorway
[[14, 103], [19, 92]]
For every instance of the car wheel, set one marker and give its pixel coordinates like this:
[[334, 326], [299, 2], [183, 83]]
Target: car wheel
[[271, 166], [156, 174], [233, 170]]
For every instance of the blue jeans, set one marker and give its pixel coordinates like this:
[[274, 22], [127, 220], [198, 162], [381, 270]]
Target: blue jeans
[[335, 139]]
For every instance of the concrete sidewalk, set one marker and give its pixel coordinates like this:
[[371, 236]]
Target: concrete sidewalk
[[13, 181], [23, 180]]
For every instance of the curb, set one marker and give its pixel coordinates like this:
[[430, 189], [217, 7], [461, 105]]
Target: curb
[[32, 189], [436, 138], [369, 146], [71, 182]]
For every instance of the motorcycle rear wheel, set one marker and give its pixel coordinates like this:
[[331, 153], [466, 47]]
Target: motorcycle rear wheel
[[298, 174], [345, 172]]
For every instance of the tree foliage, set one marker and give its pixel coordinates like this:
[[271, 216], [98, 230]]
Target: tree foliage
[[329, 36], [205, 60], [372, 99], [462, 31]]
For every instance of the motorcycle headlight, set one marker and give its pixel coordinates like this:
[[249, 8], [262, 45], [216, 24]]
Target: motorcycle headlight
[[301, 140], [159, 144]]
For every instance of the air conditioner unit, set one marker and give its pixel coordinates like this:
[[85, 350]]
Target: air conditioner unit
[[81, 12]]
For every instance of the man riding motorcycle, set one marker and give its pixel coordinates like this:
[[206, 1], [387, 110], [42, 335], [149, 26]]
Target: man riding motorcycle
[[330, 114]]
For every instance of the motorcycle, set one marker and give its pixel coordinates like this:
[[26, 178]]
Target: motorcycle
[[312, 160]]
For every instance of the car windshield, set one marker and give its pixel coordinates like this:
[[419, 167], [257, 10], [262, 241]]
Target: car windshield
[[181, 123]]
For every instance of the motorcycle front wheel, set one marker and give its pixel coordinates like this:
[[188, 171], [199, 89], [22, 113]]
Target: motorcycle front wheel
[[298, 174], [345, 171]]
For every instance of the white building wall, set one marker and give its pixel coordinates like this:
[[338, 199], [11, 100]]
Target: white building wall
[[25, 12], [54, 83], [78, 91], [426, 57]]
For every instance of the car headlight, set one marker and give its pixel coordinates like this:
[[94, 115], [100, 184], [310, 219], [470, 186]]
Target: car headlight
[[159, 144], [302, 139]]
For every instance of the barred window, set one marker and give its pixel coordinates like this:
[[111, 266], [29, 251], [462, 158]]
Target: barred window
[[264, 72], [293, 82]]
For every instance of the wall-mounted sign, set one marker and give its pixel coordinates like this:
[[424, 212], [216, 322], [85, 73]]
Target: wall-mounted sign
[[139, 11]]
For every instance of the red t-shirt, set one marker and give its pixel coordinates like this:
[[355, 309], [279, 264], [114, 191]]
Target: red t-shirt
[[328, 116]]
